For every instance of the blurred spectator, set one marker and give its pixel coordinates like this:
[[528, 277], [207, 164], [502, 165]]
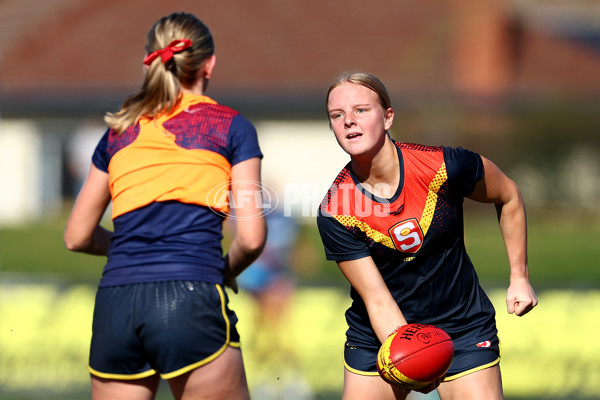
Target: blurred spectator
[[271, 283]]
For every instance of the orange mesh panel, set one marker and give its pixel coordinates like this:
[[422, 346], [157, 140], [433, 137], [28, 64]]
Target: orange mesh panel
[[153, 168]]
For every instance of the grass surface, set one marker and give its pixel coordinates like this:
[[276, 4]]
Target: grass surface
[[562, 251], [39, 250]]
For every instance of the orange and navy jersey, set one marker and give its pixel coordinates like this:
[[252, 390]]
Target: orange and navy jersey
[[169, 178], [415, 238]]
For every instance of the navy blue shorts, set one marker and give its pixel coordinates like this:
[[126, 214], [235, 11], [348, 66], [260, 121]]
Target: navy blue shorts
[[168, 328], [362, 359]]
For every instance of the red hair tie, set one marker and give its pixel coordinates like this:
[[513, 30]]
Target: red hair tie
[[167, 53]]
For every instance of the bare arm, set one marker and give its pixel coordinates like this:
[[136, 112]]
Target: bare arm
[[83, 232], [384, 313], [250, 226], [497, 188]]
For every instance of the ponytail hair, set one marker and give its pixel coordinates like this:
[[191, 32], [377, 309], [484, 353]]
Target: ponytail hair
[[161, 89]]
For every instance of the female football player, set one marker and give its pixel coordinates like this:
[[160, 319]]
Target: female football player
[[393, 222], [168, 162]]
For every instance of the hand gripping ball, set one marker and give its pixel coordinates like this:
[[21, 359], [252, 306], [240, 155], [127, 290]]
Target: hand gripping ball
[[415, 355]]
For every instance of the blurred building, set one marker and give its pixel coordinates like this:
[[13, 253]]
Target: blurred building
[[63, 63]]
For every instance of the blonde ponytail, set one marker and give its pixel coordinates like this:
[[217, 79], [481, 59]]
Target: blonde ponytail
[[161, 89]]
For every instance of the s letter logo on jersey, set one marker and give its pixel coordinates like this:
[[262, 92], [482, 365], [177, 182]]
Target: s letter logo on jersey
[[407, 236]]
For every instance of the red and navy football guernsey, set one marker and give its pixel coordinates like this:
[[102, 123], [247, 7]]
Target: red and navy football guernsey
[[416, 240], [169, 178]]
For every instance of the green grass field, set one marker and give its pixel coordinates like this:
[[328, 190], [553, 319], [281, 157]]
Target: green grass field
[[46, 297], [562, 251]]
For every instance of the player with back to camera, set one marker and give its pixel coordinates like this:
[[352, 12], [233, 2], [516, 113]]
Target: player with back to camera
[[166, 162], [393, 222]]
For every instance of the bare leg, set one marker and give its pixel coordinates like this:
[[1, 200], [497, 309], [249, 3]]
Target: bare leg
[[113, 389], [481, 385], [221, 379], [360, 387], [421, 396]]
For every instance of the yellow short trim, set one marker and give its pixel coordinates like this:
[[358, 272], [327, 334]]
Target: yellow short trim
[[448, 378], [470, 371], [363, 373], [121, 377], [210, 358], [185, 369], [488, 365]]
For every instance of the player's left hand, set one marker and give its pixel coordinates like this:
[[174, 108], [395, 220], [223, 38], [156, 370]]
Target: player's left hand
[[520, 297], [232, 283], [230, 279]]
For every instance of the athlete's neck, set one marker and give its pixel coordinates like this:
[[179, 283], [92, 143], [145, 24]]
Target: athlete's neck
[[379, 174]]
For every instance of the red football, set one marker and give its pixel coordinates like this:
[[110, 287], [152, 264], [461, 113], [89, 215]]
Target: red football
[[415, 355]]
